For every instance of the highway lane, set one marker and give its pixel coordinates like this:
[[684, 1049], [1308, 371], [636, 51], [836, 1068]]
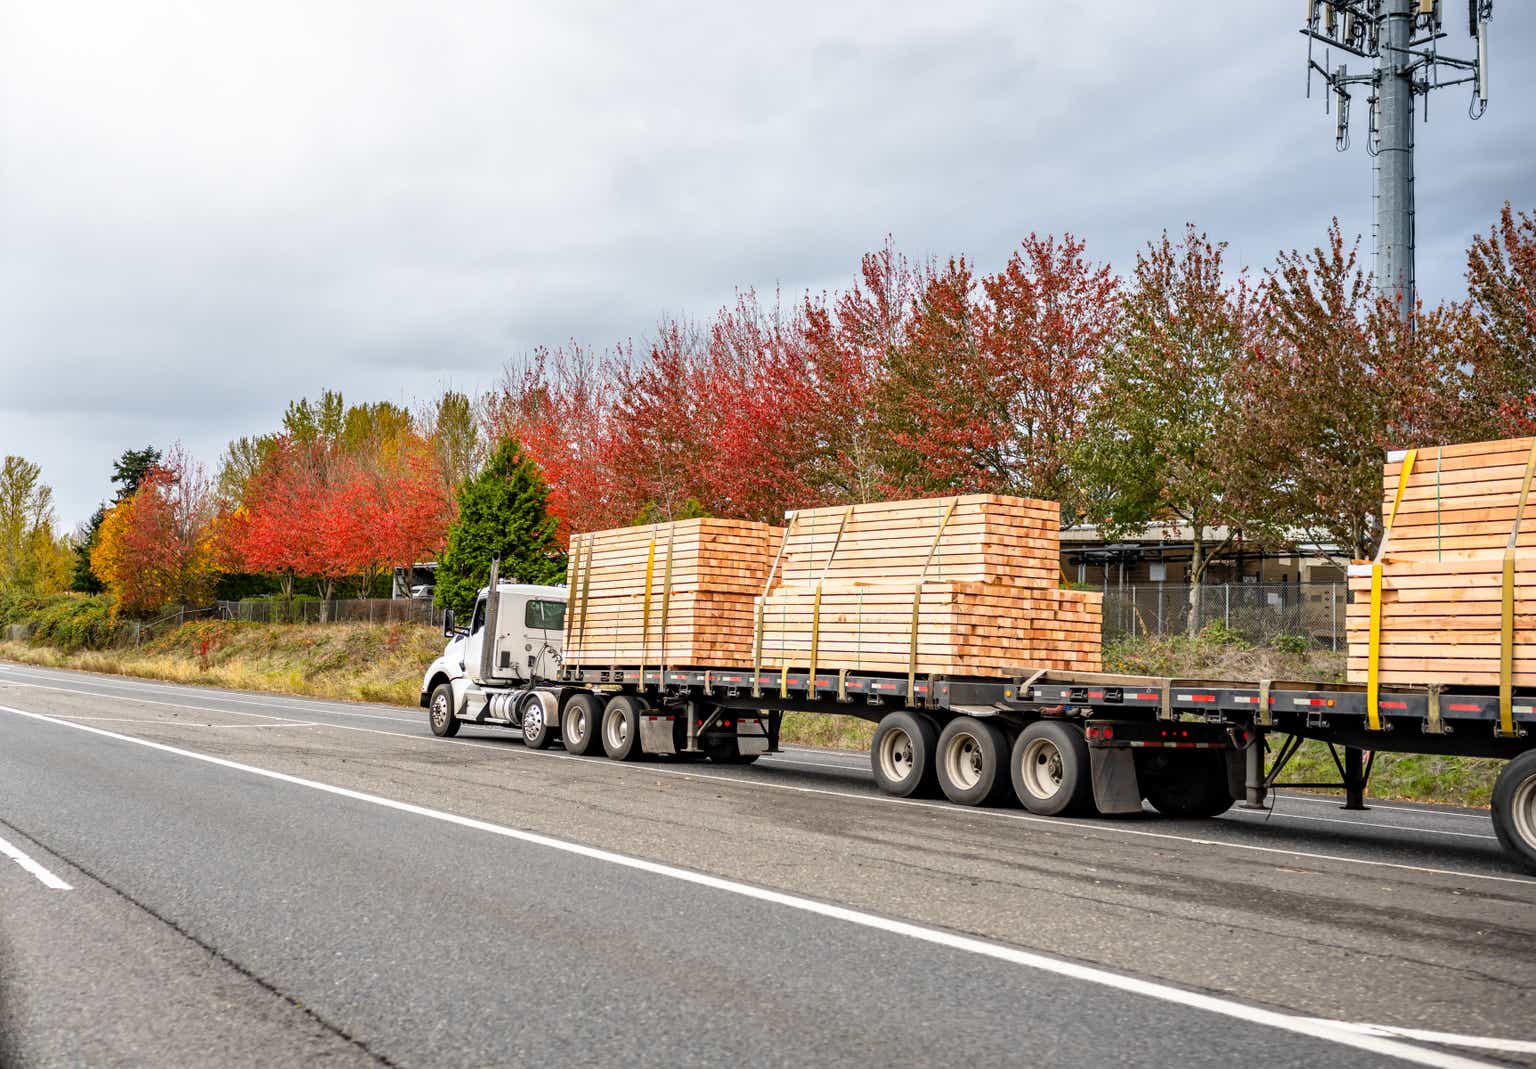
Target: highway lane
[[1419, 925]]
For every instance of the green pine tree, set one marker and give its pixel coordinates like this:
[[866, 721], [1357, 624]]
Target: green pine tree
[[503, 511]]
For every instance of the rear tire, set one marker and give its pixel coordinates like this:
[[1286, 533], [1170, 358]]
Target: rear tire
[[1189, 784], [1049, 769], [902, 754], [580, 724], [621, 728], [538, 733], [972, 762], [1514, 809], [440, 712], [727, 751]]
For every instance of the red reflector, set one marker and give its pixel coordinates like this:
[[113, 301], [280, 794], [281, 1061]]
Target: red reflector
[[1109, 733], [1394, 705], [1461, 707], [1147, 696], [726, 723], [1095, 694], [1202, 697]]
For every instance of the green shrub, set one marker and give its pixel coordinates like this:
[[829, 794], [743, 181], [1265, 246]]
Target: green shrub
[[1297, 644], [1218, 633], [76, 622]]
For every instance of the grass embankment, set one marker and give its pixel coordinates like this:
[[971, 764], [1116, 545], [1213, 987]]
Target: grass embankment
[[384, 663], [354, 662]]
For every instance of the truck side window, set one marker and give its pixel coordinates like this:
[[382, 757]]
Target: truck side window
[[478, 620], [545, 615]]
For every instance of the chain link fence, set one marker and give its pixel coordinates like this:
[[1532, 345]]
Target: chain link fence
[[335, 611], [1259, 612]]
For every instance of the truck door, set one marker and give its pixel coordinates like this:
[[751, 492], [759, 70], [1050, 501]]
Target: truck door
[[544, 630]]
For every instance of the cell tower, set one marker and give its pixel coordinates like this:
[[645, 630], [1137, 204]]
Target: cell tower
[[1401, 39]]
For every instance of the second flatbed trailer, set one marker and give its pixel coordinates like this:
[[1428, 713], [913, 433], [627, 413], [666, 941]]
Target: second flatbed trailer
[[1063, 743]]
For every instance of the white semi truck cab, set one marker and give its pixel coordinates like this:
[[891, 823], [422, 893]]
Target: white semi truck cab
[[504, 668]]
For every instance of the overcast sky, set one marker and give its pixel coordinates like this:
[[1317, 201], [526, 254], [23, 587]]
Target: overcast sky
[[207, 209]]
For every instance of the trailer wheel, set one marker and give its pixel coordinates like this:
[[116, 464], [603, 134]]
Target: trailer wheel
[[902, 754], [1514, 808], [972, 755], [1189, 784], [580, 724], [621, 728], [1049, 769], [440, 712], [538, 732]]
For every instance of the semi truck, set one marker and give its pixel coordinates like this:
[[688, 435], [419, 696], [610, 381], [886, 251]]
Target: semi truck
[[1058, 743]]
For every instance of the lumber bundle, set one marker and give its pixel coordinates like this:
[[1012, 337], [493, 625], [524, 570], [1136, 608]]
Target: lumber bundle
[[1456, 515], [670, 593], [966, 586]]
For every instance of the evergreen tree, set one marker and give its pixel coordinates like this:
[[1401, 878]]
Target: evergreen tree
[[128, 471], [503, 512]]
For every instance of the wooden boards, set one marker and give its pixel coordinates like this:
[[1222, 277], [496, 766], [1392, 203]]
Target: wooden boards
[[963, 629], [667, 593], [978, 576], [1455, 512], [961, 586]]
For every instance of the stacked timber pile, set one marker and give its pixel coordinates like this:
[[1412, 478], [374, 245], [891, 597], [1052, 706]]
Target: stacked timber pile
[[1455, 579], [966, 586], [667, 594]]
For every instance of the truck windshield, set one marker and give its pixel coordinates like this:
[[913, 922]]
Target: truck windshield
[[545, 615]]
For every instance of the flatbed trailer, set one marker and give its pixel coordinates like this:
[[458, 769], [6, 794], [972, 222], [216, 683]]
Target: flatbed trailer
[[1066, 743]]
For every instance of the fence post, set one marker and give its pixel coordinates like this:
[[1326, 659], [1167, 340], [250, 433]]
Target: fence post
[[1226, 590], [1333, 614]]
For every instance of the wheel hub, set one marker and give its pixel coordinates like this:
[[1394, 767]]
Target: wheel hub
[[1522, 811], [1042, 768], [964, 761], [897, 760], [439, 711]]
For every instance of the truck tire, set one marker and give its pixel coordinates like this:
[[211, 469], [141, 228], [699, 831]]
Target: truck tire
[[902, 754], [581, 724], [440, 712], [621, 728], [1190, 784], [1050, 771], [538, 732], [972, 763], [1514, 808]]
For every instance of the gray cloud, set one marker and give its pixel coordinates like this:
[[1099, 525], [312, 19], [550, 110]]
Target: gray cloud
[[206, 210]]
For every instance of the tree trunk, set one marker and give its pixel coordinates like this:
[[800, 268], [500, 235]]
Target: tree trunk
[[1196, 575]]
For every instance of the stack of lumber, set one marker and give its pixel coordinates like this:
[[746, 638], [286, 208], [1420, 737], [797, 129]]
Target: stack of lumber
[[667, 594], [1442, 569], [976, 580]]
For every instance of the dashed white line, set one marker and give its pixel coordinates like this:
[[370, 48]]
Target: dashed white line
[[44, 877], [1337, 1032]]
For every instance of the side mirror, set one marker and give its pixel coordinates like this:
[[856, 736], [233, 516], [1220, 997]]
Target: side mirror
[[448, 630]]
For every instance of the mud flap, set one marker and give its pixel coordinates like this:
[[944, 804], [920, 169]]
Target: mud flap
[[657, 734], [1115, 788]]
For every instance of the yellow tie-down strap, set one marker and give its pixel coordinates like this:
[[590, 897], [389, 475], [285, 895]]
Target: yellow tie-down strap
[[645, 615], [1506, 725], [1373, 659]]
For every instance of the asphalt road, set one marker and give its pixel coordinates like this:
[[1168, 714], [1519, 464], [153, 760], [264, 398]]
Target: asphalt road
[[258, 880]]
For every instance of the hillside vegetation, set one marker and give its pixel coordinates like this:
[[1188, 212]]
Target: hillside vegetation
[[384, 663]]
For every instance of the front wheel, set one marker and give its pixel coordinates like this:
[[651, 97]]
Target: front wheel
[[440, 712], [1050, 769], [1514, 808], [901, 755]]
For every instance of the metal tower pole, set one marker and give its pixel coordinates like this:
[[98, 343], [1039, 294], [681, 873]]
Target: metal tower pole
[[1394, 176]]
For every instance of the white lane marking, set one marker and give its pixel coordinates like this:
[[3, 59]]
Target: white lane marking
[[1450, 1039], [1337, 1032], [781, 763], [127, 685], [1053, 824], [180, 723], [1251, 817], [196, 708], [44, 877]]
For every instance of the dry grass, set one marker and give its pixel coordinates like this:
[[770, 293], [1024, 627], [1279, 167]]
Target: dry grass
[[353, 662]]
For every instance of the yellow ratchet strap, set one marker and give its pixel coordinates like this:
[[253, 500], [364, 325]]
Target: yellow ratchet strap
[[917, 600], [1373, 661], [1506, 725], [645, 616]]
